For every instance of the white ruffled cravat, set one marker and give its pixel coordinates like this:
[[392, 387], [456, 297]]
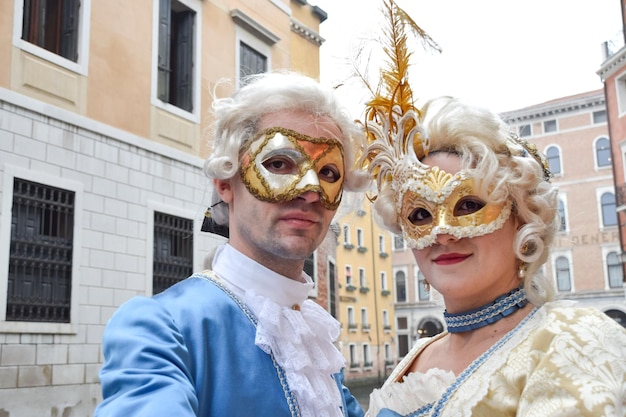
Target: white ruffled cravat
[[297, 331]]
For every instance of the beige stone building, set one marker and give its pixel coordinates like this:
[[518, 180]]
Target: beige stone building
[[103, 114]]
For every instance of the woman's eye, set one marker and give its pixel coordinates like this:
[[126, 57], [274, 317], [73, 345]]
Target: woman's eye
[[281, 165], [469, 205], [330, 174], [420, 216]]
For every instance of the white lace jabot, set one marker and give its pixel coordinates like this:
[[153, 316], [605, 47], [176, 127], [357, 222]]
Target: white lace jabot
[[302, 341]]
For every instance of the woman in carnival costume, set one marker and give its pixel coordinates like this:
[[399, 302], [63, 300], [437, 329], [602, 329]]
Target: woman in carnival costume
[[476, 205]]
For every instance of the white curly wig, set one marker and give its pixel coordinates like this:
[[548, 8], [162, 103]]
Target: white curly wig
[[237, 117], [510, 172]]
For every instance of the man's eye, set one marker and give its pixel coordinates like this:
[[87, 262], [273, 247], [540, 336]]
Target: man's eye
[[468, 205], [420, 216], [280, 165], [330, 174]]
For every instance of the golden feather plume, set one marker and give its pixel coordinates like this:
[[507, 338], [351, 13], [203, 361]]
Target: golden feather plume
[[391, 118]]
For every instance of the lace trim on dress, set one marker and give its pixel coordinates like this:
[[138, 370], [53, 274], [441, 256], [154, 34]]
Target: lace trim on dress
[[458, 397], [302, 344]]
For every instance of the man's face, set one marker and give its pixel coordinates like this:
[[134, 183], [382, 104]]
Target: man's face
[[282, 212]]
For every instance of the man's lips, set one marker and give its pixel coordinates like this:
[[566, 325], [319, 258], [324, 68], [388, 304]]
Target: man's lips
[[450, 258], [299, 219]]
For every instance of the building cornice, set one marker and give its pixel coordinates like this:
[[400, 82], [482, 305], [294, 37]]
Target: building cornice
[[613, 64], [557, 107], [306, 32]]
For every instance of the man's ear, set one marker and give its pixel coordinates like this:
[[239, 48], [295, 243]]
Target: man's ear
[[224, 190]]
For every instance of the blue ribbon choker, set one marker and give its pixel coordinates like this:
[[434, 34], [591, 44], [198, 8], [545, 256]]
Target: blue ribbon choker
[[490, 313]]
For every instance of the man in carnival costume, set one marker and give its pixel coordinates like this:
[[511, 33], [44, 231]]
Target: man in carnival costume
[[243, 339], [476, 204]]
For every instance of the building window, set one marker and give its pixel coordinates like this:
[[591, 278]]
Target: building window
[[251, 61], [398, 242], [603, 152], [53, 26], [346, 237], [549, 126], [525, 131], [173, 250], [383, 281], [609, 213], [400, 287], [554, 159], [349, 281], [386, 319], [359, 238], [562, 216], [353, 359], [40, 256], [332, 283], [614, 269], [176, 52], [362, 279], [351, 322], [423, 294], [599, 116], [367, 360], [563, 277], [364, 322], [388, 354], [381, 244]]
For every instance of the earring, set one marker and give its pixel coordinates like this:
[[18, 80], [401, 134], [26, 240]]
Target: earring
[[426, 285], [521, 270]]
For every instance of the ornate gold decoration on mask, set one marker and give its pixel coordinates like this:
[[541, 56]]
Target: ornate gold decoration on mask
[[282, 164], [443, 203]]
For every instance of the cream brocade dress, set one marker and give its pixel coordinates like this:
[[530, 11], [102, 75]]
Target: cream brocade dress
[[559, 361]]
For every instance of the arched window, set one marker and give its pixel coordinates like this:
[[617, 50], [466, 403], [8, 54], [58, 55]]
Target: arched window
[[400, 287], [609, 210], [603, 152], [562, 217], [614, 269], [554, 159], [563, 277], [423, 294]]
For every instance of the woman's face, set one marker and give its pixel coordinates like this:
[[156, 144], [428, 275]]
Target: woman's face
[[469, 271]]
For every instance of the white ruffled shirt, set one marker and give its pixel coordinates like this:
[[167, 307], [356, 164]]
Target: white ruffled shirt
[[302, 341]]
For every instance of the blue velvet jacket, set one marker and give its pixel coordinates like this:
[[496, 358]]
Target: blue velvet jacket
[[189, 351]]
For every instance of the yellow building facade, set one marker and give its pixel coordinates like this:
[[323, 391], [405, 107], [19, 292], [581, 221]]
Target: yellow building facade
[[366, 298]]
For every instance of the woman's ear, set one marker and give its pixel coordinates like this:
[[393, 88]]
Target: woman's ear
[[224, 190]]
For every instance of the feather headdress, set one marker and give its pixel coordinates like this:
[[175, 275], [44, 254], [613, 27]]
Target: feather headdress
[[392, 121]]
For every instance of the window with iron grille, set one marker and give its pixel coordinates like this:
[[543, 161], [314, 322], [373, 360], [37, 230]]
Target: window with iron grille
[[52, 25], [40, 258], [173, 250], [176, 49]]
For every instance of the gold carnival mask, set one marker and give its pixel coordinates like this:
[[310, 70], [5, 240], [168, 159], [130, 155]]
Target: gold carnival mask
[[438, 202], [282, 164]]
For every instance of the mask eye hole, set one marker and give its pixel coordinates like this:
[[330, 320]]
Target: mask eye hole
[[330, 174], [468, 205], [283, 162], [420, 217]]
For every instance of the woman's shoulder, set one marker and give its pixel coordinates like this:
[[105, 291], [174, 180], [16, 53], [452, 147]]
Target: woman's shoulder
[[567, 320]]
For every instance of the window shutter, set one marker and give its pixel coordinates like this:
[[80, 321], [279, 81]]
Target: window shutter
[[69, 29], [163, 87], [184, 61]]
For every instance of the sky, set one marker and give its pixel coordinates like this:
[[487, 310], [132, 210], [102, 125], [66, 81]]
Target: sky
[[500, 54]]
